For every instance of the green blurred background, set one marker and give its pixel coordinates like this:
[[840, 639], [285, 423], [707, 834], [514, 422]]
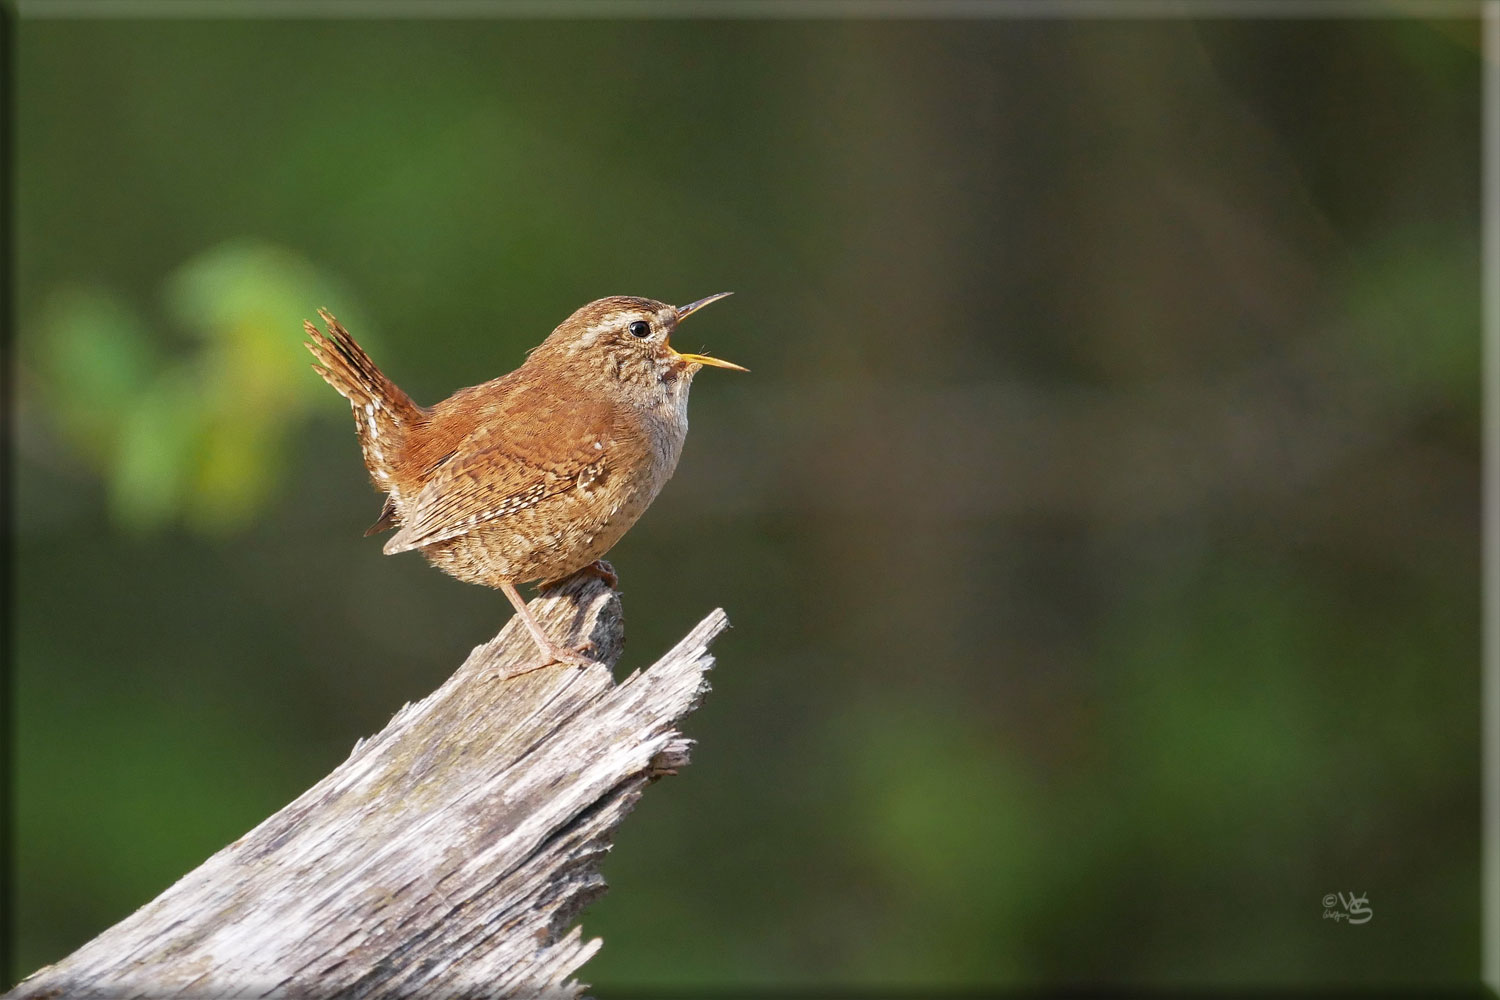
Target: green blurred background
[[1099, 523]]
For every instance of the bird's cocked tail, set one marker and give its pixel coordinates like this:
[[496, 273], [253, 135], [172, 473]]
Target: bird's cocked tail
[[383, 414]]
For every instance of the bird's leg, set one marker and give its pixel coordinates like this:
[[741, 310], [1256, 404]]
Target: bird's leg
[[598, 568], [558, 654]]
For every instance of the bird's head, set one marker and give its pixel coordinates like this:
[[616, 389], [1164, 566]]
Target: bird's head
[[626, 342]]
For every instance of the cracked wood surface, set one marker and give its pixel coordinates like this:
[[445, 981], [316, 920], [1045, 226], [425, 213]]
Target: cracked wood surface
[[449, 855]]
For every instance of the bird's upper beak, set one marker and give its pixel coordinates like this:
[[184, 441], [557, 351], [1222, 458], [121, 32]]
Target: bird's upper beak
[[683, 312]]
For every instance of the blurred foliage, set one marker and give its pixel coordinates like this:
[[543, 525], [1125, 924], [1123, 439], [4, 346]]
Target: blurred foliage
[[189, 431], [1411, 308], [1099, 524]]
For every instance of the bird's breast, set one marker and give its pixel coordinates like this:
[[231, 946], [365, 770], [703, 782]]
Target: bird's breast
[[663, 432]]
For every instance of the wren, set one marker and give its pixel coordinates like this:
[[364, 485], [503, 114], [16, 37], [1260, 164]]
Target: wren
[[535, 475]]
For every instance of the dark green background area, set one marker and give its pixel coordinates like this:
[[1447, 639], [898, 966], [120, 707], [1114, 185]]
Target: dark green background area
[[1098, 523]]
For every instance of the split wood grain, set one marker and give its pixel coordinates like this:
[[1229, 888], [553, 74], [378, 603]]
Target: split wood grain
[[451, 853]]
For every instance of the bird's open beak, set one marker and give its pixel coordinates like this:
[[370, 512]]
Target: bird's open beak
[[683, 312]]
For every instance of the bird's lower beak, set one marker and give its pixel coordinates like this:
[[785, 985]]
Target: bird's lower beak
[[704, 359], [683, 312]]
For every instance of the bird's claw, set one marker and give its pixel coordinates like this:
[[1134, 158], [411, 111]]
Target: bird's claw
[[578, 656], [605, 572], [598, 569]]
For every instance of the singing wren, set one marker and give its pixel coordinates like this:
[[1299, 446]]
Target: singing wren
[[535, 475]]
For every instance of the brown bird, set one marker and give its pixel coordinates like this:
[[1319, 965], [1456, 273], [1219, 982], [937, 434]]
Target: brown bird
[[535, 475]]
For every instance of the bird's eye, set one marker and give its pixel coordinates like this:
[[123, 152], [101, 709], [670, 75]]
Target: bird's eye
[[640, 328]]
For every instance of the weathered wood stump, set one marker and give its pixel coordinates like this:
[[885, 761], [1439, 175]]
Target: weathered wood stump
[[449, 855]]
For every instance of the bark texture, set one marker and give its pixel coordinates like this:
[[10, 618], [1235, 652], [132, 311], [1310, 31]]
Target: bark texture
[[449, 855]]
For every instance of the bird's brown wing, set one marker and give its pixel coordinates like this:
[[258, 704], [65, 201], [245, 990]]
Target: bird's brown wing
[[505, 466]]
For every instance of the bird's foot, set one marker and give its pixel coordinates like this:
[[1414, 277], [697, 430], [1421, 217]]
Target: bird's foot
[[578, 655], [605, 572], [553, 653], [598, 568]]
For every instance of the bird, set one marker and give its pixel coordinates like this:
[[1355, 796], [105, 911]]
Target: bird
[[535, 475]]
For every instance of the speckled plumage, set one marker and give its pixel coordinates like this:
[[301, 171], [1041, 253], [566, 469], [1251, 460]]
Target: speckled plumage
[[536, 474]]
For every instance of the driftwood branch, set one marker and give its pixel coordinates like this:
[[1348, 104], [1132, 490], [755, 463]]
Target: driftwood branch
[[448, 856]]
